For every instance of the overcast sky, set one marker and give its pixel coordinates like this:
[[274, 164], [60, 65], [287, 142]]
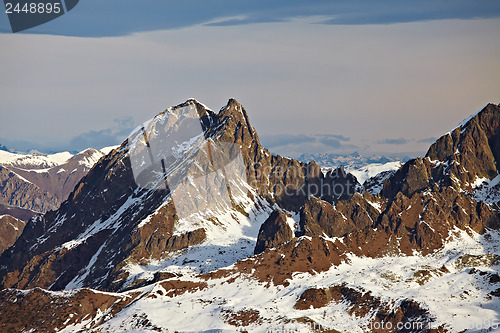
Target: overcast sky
[[314, 76]]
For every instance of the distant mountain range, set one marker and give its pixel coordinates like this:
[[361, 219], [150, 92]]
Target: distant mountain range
[[32, 184], [192, 226], [350, 161]]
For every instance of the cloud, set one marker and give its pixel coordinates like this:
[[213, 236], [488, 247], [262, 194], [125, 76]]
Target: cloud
[[104, 138], [333, 136], [271, 141], [334, 143], [432, 139], [295, 145], [400, 141], [97, 18]]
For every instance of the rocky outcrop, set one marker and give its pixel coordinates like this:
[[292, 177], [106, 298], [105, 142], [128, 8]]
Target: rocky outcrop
[[43, 311], [372, 226], [406, 316], [474, 146], [10, 229], [457, 159], [318, 217], [303, 254], [273, 232]]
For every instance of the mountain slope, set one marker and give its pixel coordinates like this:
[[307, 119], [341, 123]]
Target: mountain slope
[[216, 233], [110, 223], [41, 183]]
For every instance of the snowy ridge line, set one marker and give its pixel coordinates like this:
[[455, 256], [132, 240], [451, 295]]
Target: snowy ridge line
[[42, 162]]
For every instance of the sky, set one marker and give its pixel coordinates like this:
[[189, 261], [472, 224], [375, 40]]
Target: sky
[[385, 77]]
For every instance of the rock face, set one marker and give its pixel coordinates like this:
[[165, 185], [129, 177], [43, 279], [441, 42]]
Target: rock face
[[16, 191], [43, 311], [474, 146], [107, 207], [10, 229], [12, 222], [273, 232], [456, 159]]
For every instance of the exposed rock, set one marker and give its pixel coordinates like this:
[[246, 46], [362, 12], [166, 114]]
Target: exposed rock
[[10, 229], [475, 145], [319, 217], [303, 254], [241, 318], [43, 311], [386, 317], [175, 287], [108, 199], [273, 232], [16, 191], [457, 159]]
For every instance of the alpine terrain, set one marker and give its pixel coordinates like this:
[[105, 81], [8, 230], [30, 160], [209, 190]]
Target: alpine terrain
[[32, 184], [192, 226]]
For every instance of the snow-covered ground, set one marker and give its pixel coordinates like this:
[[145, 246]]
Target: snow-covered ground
[[371, 170], [34, 161], [240, 235], [443, 283]]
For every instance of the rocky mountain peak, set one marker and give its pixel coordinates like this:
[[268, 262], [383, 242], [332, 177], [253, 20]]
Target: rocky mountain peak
[[468, 153], [474, 144]]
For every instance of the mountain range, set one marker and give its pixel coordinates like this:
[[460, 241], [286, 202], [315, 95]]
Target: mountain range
[[192, 226], [33, 184], [350, 161]]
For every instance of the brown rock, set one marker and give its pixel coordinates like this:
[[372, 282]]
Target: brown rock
[[274, 232]]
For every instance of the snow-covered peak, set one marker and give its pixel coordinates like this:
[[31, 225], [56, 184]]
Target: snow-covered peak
[[34, 161], [371, 170], [107, 150]]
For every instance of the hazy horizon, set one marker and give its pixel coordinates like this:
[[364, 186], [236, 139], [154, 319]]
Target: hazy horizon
[[321, 77]]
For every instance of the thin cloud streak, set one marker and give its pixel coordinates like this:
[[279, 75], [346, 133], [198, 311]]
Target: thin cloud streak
[[97, 18]]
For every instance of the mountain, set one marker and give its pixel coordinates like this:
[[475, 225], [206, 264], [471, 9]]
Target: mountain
[[42, 182], [191, 225], [32, 184], [12, 222], [352, 161], [111, 221]]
